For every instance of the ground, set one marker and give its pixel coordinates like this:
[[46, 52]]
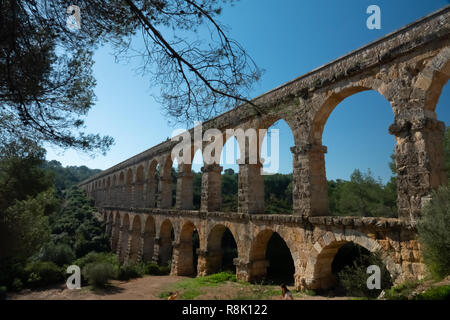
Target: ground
[[157, 287]]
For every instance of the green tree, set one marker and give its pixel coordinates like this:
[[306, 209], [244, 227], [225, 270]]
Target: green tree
[[46, 78], [434, 233]]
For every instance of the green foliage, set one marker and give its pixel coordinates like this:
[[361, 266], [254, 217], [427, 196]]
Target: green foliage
[[3, 293], [60, 254], [435, 293], [434, 233], [278, 193], [129, 271], [66, 177], [153, 269], [40, 274], [401, 291], [99, 273], [362, 196], [98, 257], [76, 225], [352, 278], [229, 182], [191, 288]]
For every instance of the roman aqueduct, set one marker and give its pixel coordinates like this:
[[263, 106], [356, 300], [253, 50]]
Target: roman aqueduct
[[408, 68]]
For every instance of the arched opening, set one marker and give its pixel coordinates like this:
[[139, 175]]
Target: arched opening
[[152, 184], [442, 112], [187, 250], [115, 232], [139, 189], [166, 237], [149, 239], [135, 253], [124, 238], [121, 190], [109, 225], [275, 152], [197, 164], [230, 176], [221, 250], [271, 259], [129, 188], [341, 270], [359, 162], [114, 191]]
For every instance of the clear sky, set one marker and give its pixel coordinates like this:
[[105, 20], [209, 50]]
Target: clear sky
[[287, 38]]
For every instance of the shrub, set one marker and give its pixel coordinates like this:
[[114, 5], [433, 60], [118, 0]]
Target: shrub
[[60, 254], [40, 274], [152, 268], [434, 233], [92, 257], [17, 284], [130, 271], [401, 291], [155, 270], [353, 278], [99, 273], [2, 293], [435, 293], [164, 270]]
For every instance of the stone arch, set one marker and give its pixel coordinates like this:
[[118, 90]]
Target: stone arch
[[330, 102], [109, 224], [214, 251], [185, 262], [149, 238], [258, 250], [139, 188], [165, 196], [166, 237], [152, 182], [124, 237], [318, 273], [135, 243], [115, 232], [434, 77]]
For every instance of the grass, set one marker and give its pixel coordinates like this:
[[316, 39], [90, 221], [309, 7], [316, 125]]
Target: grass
[[191, 288]]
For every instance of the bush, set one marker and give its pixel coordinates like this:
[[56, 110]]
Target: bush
[[17, 284], [130, 271], [152, 268], [435, 293], [401, 291], [2, 293], [434, 233], [99, 273], [155, 270], [40, 274], [93, 257], [60, 254], [353, 278]]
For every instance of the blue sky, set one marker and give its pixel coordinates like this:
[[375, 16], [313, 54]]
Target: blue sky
[[287, 38]]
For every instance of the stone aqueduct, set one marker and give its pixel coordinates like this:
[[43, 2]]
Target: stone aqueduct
[[408, 67]]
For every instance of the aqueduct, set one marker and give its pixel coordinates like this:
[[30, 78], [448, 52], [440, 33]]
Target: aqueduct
[[408, 68]]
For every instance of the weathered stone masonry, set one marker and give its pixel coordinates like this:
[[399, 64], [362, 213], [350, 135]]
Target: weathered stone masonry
[[408, 67]]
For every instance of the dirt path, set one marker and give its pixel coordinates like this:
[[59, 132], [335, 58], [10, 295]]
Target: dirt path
[[150, 288], [146, 288]]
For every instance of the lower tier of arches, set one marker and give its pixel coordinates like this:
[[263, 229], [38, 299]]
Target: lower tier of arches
[[295, 250]]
